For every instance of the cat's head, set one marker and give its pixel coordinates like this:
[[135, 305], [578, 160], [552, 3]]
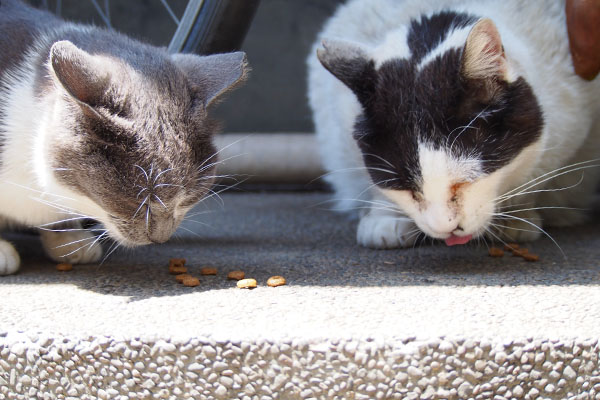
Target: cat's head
[[132, 141], [441, 135]]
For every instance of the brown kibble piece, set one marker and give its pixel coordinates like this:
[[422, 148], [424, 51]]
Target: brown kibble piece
[[520, 252], [180, 278], [275, 281], [176, 261], [177, 270], [191, 281], [531, 257], [208, 271], [64, 267], [511, 246], [496, 252], [236, 275], [246, 283]]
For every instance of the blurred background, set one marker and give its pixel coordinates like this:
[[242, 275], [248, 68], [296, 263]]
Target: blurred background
[[277, 44]]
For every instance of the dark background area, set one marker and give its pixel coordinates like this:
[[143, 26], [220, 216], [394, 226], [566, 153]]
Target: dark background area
[[278, 42]]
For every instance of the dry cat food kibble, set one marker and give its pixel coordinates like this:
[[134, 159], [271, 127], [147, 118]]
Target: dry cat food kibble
[[236, 275], [275, 281], [496, 252], [191, 281], [177, 270], [246, 283], [208, 271], [64, 267], [531, 257], [516, 250], [181, 277], [176, 261], [520, 252]]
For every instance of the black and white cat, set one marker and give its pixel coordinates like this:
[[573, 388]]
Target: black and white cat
[[454, 118], [96, 125]]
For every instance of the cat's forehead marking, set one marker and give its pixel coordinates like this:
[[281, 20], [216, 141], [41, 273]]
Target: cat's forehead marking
[[428, 32], [455, 40], [441, 169]]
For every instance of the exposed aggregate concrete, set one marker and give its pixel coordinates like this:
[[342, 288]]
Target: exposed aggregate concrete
[[41, 367], [352, 323]]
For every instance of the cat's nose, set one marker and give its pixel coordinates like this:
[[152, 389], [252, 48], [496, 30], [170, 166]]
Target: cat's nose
[[159, 234], [160, 228], [157, 239], [440, 223]]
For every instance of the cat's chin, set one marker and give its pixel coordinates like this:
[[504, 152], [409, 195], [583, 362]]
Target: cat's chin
[[133, 243], [125, 241]]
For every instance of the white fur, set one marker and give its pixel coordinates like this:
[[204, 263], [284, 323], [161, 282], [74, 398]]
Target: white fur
[[394, 45], [536, 48], [9, 258], [455, 40], [30, 194]]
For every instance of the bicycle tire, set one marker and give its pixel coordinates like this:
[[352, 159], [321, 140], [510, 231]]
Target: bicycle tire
[[213, 26]]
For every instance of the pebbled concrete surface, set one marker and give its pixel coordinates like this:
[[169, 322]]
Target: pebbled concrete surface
[[429, 322]]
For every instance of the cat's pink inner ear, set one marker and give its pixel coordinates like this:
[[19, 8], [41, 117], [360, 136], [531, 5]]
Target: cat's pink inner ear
[[483, 56], [77, 72]]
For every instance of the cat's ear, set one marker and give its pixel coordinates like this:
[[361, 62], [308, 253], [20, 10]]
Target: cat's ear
[[213, 75], [483, 55], [350, 63], [84, 77]]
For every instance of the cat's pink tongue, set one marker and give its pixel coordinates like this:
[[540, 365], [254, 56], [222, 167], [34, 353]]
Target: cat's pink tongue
[[454, 240]]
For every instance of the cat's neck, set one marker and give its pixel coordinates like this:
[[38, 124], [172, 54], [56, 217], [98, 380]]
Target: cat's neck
[[26, 177]]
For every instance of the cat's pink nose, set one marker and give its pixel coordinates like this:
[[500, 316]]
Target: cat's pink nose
[[440, 224]]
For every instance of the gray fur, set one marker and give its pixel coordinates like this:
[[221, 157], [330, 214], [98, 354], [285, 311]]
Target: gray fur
[[131, 129]]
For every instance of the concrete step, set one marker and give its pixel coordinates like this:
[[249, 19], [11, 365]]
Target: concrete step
[[425, 323]]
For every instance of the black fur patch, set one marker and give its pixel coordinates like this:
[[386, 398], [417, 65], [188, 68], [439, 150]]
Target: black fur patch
[[490, 120], [427, 33]]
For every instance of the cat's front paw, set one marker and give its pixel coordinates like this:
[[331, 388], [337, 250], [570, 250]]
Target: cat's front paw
[[386, 232], [9, 258], [71, 247], [524, 226]]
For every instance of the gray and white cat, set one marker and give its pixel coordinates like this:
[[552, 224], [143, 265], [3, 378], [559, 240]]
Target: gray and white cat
[[96, 125], [454, 118]]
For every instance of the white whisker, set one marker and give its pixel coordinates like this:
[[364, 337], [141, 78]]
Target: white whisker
[[160, 201], [548, 175], [73, 242], [189, 230], [161, 173], [537, 227], [526, 190], [222, 149], [114, 247], [144, 172], [140, 207]]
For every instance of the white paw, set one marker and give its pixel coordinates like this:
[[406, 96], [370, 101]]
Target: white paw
[[522, 228], [386, 231], [9, 259], [71, 247]]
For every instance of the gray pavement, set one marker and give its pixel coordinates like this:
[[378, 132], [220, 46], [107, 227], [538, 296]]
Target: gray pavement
[[339, 298]]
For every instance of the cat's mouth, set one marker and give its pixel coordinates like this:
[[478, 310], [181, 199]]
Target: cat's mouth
[[454, 240]]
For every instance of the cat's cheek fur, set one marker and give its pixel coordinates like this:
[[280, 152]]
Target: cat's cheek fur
[[472, 213]]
